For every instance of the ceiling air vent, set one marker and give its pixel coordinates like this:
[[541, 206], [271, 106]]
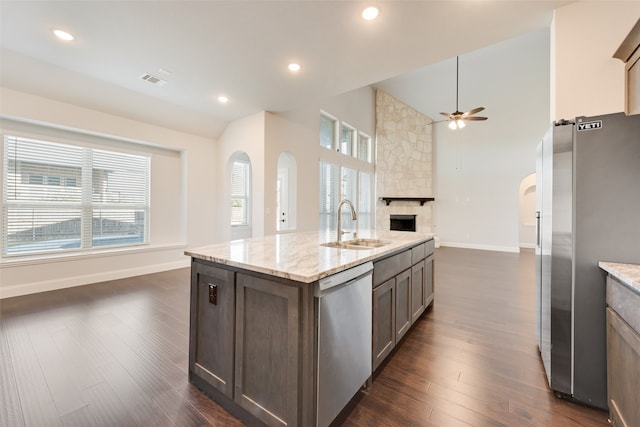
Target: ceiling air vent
[[153, 79]]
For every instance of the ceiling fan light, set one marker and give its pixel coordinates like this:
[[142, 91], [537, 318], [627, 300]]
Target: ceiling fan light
[[461, 124], [452, 125], [370, 13]]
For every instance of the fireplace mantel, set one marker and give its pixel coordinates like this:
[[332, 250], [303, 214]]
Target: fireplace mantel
[[422, 200]]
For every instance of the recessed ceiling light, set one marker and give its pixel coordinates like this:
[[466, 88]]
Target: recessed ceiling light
[[222, 99], [370, 13], [63, 35], [294, 67]]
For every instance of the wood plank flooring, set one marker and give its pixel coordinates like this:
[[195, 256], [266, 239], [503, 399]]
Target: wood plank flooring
[[115, 354]]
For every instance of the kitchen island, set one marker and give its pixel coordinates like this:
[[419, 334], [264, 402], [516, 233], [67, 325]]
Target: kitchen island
[[255, 318]]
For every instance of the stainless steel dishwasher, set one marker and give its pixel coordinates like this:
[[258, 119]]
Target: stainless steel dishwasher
[[344, 339]]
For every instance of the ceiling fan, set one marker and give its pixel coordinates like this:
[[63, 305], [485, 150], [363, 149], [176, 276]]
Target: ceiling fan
[[458, 117]]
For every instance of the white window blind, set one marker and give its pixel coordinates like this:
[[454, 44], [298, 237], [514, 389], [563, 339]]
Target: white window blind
[[63, 197], [240, 176], [329, 193], [348, 190], [365, 201]]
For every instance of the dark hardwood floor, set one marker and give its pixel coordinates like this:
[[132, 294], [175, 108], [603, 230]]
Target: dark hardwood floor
[[115, 354]]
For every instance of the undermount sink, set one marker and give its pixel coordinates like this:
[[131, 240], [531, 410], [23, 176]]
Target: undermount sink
[[357, 244]]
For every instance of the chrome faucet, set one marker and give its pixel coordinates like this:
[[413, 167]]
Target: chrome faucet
[[354, 216]]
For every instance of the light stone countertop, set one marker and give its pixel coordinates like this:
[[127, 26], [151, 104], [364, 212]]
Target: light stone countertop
[[299, 256], [629, 274]]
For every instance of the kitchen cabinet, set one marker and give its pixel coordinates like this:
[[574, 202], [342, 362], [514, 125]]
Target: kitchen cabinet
[[629, 53], [623, 364], [384, 321], [242, 328], [403, 304], [212, 326], [418, 290], [623, 352], [267, 332], [429, 280], [402, 290]]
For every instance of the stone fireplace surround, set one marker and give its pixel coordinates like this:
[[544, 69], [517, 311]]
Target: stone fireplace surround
[[404, 165]]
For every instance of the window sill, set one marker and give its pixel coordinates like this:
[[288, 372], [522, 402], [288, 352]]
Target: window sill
[[26, 260]]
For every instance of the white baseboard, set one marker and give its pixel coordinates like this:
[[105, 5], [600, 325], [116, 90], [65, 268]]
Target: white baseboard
[[514, 249], [69, 282]]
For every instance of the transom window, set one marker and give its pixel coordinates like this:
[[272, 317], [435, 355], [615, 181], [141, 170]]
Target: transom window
[[62, 197], [341, 137]]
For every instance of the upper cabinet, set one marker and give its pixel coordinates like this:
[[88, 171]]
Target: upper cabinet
[[629, 53]]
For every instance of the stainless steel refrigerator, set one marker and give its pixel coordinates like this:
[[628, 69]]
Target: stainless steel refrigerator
[[588, 210]]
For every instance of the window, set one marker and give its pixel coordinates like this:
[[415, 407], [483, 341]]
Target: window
[[353, 185], [345, 173], [327, 131], [365, 199], [328, 195], [347, 136], [240, 178], [364, 147], [67, 197], [348, 190]]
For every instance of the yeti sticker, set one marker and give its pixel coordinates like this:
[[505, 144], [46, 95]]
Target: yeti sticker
[[590, 125]]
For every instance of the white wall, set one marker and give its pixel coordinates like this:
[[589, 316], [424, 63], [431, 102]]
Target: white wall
[[478, 169], [586, 79], [182, 212]]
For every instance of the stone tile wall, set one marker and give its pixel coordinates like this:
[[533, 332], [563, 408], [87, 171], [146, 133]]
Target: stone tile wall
[[404, 161]]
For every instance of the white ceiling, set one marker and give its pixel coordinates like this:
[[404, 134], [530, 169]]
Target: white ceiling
[[239, 48]]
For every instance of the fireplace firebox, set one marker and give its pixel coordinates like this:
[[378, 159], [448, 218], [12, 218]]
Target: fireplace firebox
[[403, 222]]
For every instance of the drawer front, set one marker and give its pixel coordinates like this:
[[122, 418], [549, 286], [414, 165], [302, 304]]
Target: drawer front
[[387, 268], [430, 247], [624, 301], [418, 253]]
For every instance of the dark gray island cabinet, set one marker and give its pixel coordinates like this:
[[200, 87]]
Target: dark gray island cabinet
[[402, 291], [253, 332]]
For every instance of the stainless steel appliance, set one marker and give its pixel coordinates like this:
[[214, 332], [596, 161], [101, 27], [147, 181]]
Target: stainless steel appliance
[[588, 203], [344, 339]]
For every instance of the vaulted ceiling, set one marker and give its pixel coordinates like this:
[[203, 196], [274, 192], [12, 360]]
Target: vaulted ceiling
[[241, 49]]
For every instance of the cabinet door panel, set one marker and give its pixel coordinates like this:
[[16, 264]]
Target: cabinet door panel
[[267, 357], [212, 326], [384, 327], [418, 297], [428, 280], [403, 303]]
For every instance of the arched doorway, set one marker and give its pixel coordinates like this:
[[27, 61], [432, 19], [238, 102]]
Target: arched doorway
[[527, 212]]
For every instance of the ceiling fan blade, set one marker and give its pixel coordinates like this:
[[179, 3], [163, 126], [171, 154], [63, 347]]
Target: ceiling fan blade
[[474, 110], [446, 114], [474, 118]]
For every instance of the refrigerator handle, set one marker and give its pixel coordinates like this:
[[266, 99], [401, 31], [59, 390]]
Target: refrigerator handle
[[538, 229]]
